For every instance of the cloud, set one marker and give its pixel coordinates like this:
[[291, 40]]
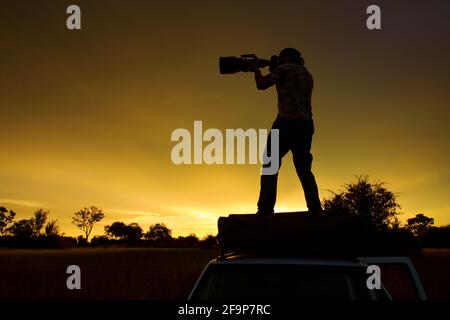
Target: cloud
[[130, 214], [24, 203]]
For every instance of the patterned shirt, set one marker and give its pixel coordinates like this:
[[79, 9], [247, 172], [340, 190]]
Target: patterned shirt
[[294, 86]]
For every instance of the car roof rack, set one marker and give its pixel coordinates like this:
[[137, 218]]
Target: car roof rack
[[299, 234]]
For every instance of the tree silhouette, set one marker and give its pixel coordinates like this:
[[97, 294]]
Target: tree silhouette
[[209, 241], [370, 200], [158, 232], [190, 241], [120, 230], [133, 232], [86, 218], [6, 217], [39, 220], [116, 230], [419, 224], [22, 229], [51, 229], [99, 241], [30, 228]]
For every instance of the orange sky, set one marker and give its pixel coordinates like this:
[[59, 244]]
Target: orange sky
[[87, 115]]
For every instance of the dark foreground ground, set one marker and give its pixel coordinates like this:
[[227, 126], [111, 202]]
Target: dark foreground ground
[[145, 273]]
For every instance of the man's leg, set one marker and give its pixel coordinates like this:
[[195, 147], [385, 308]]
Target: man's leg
[[302, 157], [268, 191]]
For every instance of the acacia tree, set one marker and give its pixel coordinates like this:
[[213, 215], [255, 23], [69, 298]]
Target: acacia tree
[[191, 241], [116, 230], [35, 227], [419, 224], [86, 218], [369, 200], [133, 232], [120, 230], [158, 232]]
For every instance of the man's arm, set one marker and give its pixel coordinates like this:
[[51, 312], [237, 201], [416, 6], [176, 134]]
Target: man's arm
[[262, 82]]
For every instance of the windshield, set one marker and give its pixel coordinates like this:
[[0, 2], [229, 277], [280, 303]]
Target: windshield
[[284, 282]]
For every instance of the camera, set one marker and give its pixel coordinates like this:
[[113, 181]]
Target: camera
[[228, 65]]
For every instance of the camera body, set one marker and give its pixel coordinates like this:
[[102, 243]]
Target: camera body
[[229, 65]]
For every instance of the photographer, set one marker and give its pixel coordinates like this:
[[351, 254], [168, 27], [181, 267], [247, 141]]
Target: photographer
[[294, 121]]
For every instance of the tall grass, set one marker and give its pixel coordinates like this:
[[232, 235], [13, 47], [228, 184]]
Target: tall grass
[[433, 267], [145, 273], [105, 273]]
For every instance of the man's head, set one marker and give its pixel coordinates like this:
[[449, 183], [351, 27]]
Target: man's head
[[291, 55]]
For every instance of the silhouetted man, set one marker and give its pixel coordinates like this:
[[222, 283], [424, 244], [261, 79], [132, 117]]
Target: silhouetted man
[[295, 124]]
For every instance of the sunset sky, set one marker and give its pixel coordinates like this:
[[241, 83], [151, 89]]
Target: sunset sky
[[87, 115]]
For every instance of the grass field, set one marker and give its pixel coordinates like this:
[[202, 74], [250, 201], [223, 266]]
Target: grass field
[[105, 273], [145, 273], [434, 270]]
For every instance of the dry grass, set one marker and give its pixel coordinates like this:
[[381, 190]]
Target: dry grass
[[433, 267], [105, 273], [145, 273]]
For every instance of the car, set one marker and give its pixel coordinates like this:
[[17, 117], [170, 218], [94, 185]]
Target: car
[[246, 277]]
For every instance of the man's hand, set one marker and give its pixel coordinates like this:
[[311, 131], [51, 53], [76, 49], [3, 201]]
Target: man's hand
[[262, 82]]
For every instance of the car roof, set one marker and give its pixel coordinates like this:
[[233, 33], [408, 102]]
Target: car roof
[[242, 260]]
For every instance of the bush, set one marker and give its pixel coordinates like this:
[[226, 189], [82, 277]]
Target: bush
[[436, 237]]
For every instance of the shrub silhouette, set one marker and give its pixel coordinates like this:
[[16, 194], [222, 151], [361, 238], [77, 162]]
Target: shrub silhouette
[[158, 232], [208, 242], [436, 237], [419, 224], [121, 231], [35, 227], [368, 200]]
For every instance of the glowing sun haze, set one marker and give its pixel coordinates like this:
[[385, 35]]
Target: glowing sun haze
[[87, 115]]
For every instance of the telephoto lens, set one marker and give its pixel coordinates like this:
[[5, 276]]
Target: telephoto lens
[[228, 65]]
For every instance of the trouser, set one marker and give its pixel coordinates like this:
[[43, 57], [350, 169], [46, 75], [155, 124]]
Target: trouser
[[295, 136]]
